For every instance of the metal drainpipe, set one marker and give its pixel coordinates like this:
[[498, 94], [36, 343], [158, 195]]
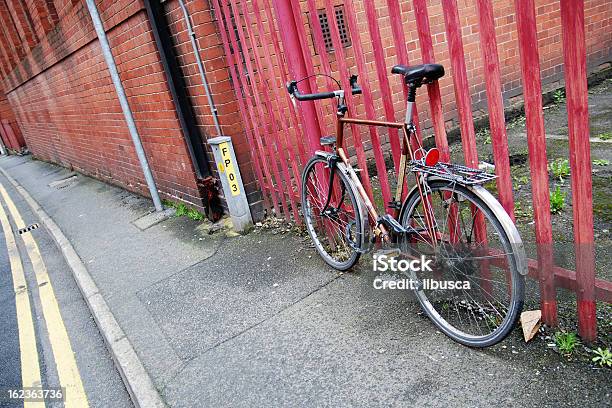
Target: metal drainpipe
[[127, 112], [196, 52]]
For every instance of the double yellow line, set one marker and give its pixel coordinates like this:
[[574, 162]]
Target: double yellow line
[[63, 355]]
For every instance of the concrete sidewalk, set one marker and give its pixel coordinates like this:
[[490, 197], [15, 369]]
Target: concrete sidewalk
[[260, 320]]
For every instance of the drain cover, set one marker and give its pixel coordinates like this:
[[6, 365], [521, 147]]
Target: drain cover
[[27, 229]]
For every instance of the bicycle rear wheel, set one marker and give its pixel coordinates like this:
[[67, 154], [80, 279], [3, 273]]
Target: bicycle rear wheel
[[472, 247], [336, 229]]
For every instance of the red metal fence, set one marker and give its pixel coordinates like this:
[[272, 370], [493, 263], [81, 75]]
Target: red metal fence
[[267, 43]]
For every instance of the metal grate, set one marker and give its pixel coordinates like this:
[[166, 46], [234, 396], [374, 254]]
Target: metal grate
[[329, 46], [27, 229], [343, 30], [342, 26]]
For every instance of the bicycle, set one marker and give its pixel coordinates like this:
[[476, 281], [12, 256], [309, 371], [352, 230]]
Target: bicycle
[[430, 221]]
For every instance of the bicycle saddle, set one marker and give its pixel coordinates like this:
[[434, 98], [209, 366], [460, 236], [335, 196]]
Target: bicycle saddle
[[426, 72]]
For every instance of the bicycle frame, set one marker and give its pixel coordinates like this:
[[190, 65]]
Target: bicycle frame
[[408, 131]]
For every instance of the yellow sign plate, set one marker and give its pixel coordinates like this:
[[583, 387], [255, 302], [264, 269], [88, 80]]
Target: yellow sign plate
[[228, 164]]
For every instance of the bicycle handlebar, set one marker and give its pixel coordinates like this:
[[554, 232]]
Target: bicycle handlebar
[[293, 90]]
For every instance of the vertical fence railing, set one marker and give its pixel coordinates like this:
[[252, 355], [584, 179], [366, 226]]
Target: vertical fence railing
[[536, 143], [350, 100], [246, 111], [382, 72], [495, 102], [433, 90], [462, 88], [369, 104], [574, 57], [263, 53], [267, 124], [297, 136]]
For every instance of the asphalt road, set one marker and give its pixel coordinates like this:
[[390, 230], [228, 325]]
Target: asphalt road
[[47, 336]]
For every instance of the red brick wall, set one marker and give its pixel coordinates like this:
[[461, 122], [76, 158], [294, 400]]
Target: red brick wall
[[68, 110], [57, 82]]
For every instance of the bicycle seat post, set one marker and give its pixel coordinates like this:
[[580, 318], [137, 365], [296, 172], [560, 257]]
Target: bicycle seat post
[[412, 87]]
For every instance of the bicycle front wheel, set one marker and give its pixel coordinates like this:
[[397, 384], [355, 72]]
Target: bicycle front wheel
[[333, 213], [469, 246]]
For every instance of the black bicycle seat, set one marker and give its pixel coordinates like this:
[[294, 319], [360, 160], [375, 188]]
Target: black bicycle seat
[[426, 72]]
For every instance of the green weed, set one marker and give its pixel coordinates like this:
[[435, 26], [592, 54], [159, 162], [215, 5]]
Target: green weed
[[559, 96], [485, 135], [521, 180], [605, 136], [600, 162], [520, 212], [559, 168], [566, 342], [557, 200], [603, 357], [181, 210], [195, 215]]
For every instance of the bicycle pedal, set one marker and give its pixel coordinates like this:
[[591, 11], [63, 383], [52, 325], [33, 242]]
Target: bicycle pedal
[[392, 223], [388, 252]]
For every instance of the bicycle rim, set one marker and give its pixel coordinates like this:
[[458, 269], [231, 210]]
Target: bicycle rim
[[485, 312], [337, 230]]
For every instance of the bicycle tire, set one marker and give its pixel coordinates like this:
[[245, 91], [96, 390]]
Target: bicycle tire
[[518, 280], [318, 164]]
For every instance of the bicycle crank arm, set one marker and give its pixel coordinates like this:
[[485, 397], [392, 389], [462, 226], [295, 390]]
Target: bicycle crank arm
[[391, 223]]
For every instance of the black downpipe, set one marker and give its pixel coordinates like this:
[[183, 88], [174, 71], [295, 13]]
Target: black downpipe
[[178, 88]]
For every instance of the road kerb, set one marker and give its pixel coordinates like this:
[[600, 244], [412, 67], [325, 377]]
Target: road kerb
[[135, 377]]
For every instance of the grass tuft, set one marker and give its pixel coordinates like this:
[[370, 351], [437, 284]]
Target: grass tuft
[[600, 162], [195, 215], [566, 342], [522, 213], [605, 136], [183, 211], [557, 200], [485, 135]]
